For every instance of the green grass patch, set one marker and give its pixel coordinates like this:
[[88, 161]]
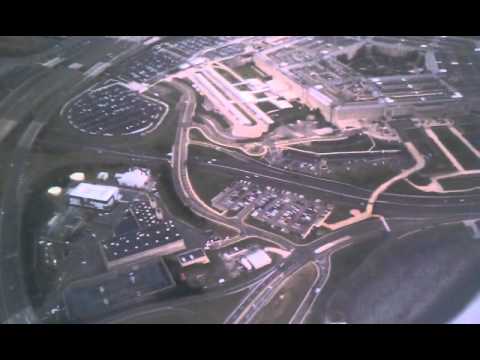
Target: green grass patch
[[266, 106], [250, 71], [461, 182], [229, 77], [463, 154], [205, 185]]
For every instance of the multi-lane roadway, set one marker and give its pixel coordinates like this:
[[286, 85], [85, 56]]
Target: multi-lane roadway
[[41, 97]]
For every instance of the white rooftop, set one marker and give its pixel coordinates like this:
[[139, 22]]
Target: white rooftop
[[259, 259], [136, 178], [94, 192]]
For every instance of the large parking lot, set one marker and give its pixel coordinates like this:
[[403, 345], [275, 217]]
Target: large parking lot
[[112, 109], [279, 210], [140, 230], [190, 46], [149, 65], [226, 51]]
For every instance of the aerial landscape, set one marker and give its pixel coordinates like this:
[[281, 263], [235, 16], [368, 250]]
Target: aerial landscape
[[239, 179]]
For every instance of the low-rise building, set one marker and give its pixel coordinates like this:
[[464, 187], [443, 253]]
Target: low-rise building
[[191, 257], [258, 259], [100, 197]]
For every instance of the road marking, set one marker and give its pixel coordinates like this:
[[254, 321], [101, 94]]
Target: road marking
[[325, 247]]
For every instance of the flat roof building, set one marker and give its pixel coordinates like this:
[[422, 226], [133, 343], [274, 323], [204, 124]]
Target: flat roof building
[[323, 75], [258, 259], [191, 257], [101, 197]]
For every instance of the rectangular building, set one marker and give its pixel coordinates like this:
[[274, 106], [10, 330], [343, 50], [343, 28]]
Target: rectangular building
[[100, 197], [191, 257]]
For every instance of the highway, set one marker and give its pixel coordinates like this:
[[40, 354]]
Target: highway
[[42, 98], [186, 193], [238, 164], [39, 100], [261, 295], [241, 162], [323, 266], [387, 204]]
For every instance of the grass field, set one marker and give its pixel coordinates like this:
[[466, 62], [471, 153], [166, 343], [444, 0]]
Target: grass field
[[249, 71], [369, 178], [173, 202], [266, 106], [403, 187], [339, 213], [463, 154], [460, 182], [437, 162], [286, 301], [229, 77], [207, 186]]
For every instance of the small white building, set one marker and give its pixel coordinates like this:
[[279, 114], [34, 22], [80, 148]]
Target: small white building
[[259, 259], [93, 196], [103, 175], [78, 177]]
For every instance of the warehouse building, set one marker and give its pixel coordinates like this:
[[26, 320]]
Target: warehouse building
[[100, 197]]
